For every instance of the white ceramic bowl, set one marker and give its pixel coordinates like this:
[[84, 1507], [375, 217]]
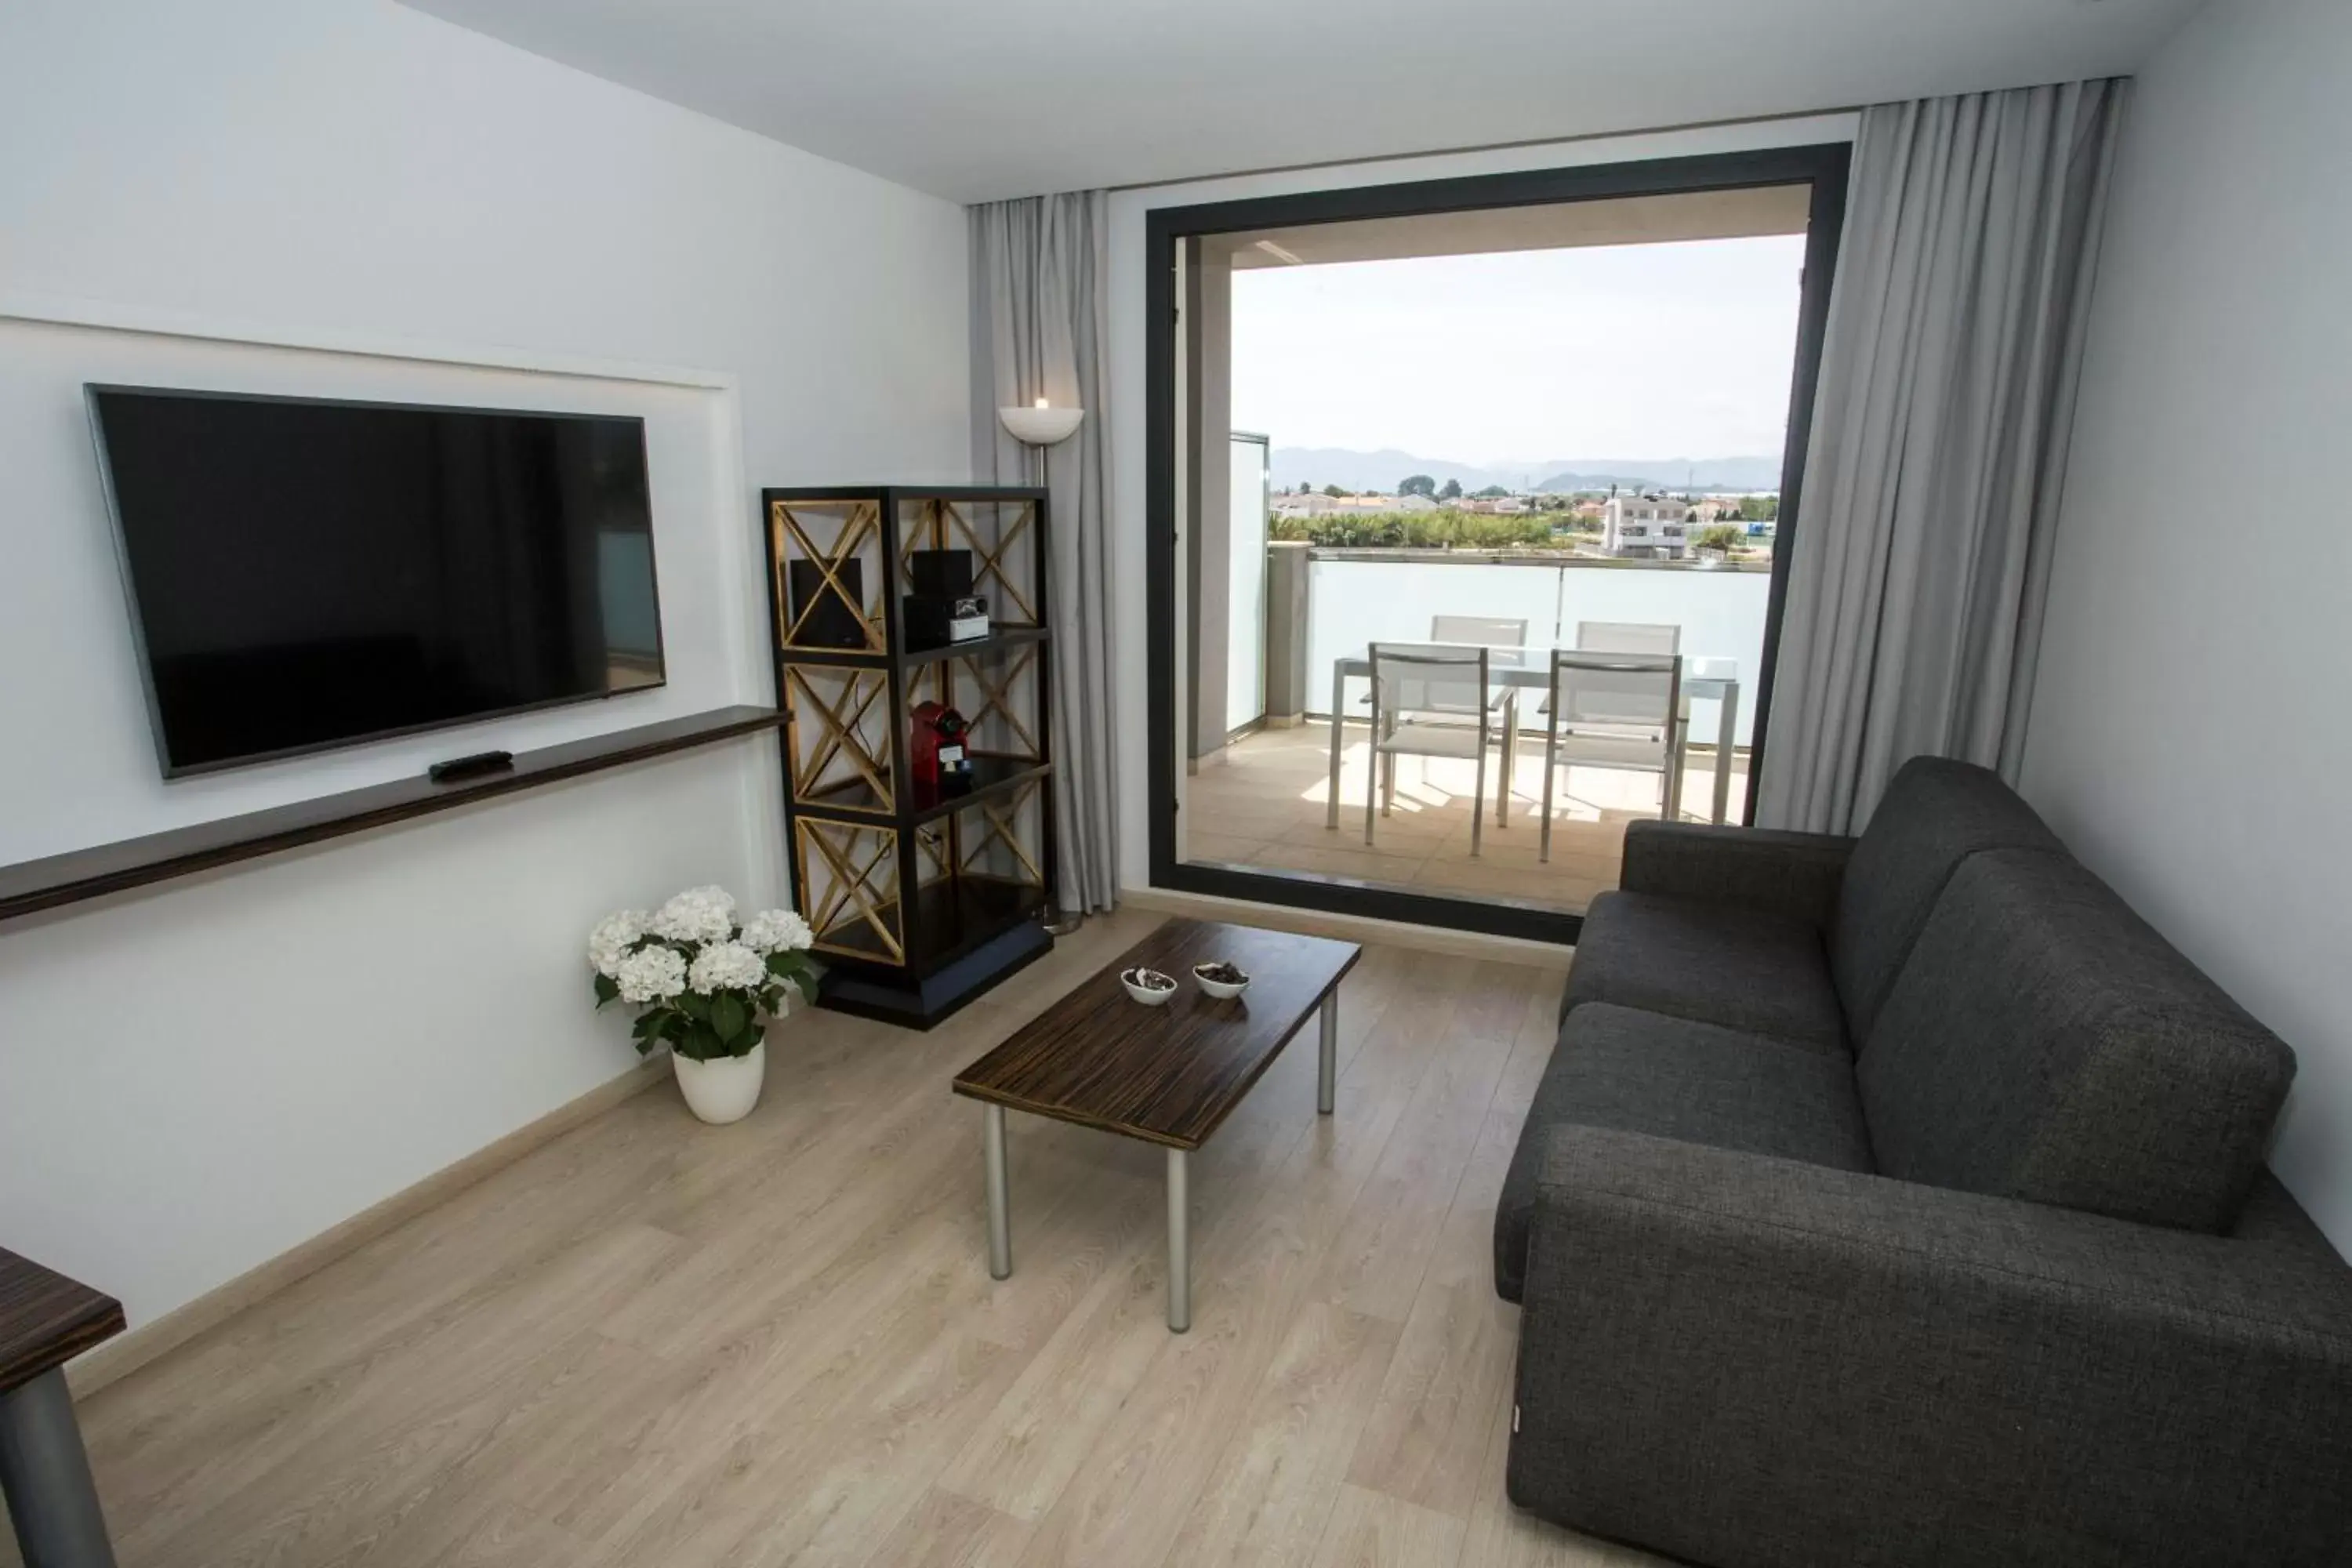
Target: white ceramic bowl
[[1223, 990], [1158, 993]]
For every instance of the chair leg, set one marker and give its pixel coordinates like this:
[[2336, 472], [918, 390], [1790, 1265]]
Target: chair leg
[[1372, 766], [1478, 800], [1387, 783]]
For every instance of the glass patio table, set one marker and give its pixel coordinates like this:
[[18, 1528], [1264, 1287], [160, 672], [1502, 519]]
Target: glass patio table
[[1529, 670]]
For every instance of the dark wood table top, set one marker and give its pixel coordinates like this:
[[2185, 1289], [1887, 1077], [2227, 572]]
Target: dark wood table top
[[46, 1319], [1169, 1074]]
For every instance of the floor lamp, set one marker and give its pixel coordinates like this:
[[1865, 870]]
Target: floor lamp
[[1040, 428]]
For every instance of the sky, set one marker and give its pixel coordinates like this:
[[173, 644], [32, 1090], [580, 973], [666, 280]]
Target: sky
[[1633, 351]]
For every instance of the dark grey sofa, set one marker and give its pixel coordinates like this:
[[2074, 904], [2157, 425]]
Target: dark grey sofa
[[1903, 1200]]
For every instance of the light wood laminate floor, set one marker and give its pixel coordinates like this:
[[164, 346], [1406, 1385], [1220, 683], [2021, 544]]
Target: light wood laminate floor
[[656, 1342]]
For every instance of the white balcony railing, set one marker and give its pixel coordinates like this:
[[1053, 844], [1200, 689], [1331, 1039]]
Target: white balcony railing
[[1360, 597]]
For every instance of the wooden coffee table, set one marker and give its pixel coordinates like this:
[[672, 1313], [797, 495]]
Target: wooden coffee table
[[1167, 1075], [46, 1319]]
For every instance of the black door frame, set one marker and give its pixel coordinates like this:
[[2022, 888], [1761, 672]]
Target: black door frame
[[1822, 166]]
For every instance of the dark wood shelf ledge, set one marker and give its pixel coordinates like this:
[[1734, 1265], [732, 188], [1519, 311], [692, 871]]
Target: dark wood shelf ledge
[[1005, 638], [82, 874], [993, 777], [1002, 637]]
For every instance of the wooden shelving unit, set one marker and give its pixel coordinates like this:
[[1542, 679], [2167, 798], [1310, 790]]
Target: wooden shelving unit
[[919, 903]]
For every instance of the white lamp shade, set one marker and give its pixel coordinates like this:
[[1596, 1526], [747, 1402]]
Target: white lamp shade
[[1041, 426]]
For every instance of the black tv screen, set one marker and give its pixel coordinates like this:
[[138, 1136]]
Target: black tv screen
[[306, 573]]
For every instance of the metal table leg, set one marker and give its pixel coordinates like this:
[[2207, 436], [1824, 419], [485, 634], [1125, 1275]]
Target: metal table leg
[[45, 1474], [1179, 1242], [999, 1215], [1510, 757], [1727, 725], [1327, 1071], [1339, 710]]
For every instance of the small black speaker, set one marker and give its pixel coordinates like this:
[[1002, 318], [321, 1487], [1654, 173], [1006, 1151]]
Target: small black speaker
[[941, 573], [824, 617]]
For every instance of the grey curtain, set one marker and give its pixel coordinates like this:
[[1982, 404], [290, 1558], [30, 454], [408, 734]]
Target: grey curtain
[[1040, 327], [1932, 482]]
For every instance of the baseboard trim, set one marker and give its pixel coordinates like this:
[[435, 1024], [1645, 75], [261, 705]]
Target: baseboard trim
[[1352, 928], [125, 1354]]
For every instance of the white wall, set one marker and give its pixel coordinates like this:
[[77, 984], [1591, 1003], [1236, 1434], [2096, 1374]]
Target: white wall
[[1127, 346], [195, 1078], [2189, 733]]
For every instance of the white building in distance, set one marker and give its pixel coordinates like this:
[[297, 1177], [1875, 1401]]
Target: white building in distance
[[1654, 526]]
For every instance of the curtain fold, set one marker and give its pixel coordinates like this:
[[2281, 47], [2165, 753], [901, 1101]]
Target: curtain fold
[[1040, 327], [1937, 456]]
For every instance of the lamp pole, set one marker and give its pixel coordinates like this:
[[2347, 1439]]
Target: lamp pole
[[1041, 428]]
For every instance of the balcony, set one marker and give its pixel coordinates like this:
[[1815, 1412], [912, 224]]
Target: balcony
[[1262, 801]]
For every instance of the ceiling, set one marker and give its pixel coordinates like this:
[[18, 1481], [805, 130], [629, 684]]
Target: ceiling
[[976, 101]]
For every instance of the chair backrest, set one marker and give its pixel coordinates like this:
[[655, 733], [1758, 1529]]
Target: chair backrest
[[1628, 636], [1495, 631], [2044, 1043], [1615, 690], [1429, 678], [1935, 813]]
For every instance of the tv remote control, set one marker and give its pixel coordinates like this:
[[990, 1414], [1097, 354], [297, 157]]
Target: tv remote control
[[457, 768]]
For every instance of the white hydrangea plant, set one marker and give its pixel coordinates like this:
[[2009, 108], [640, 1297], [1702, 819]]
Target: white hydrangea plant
[[703, 982]]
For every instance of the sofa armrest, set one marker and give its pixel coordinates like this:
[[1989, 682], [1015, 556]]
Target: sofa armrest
[[1796, 874], [1732, 1358]]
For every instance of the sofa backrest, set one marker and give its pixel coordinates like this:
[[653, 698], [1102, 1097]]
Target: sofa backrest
[[1935, 815], [2044, 1043]]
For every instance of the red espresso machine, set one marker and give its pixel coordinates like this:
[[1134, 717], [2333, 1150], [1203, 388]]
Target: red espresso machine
[[937, 752]]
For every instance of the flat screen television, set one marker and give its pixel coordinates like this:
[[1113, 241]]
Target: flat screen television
[[307, 572]]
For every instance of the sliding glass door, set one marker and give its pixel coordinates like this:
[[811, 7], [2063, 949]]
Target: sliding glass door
[[1482, 494]]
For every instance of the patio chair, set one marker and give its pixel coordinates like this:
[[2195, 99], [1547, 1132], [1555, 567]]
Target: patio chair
[[1491, 631], [1422, 695], [1628, 636], [1485, 631], [1611, 710]]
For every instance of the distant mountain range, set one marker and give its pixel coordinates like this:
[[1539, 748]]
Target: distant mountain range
[[1381, 470]]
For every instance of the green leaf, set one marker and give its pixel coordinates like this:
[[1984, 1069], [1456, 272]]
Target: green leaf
[[728, 1015], [649, 1026], [694, 1005], [607, 989]]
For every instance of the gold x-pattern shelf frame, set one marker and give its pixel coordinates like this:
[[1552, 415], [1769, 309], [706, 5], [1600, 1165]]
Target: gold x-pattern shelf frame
[[1001, 824], [850, 889], [940, 515], [996, 683], [795, 539], [841, 722]]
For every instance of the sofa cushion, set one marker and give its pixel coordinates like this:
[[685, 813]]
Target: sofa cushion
[[2045, 1042], [1673, 1077], [1718, 963], [1936, 814]]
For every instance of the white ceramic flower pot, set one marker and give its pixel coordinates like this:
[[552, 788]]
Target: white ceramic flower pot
[[725, 1088]]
